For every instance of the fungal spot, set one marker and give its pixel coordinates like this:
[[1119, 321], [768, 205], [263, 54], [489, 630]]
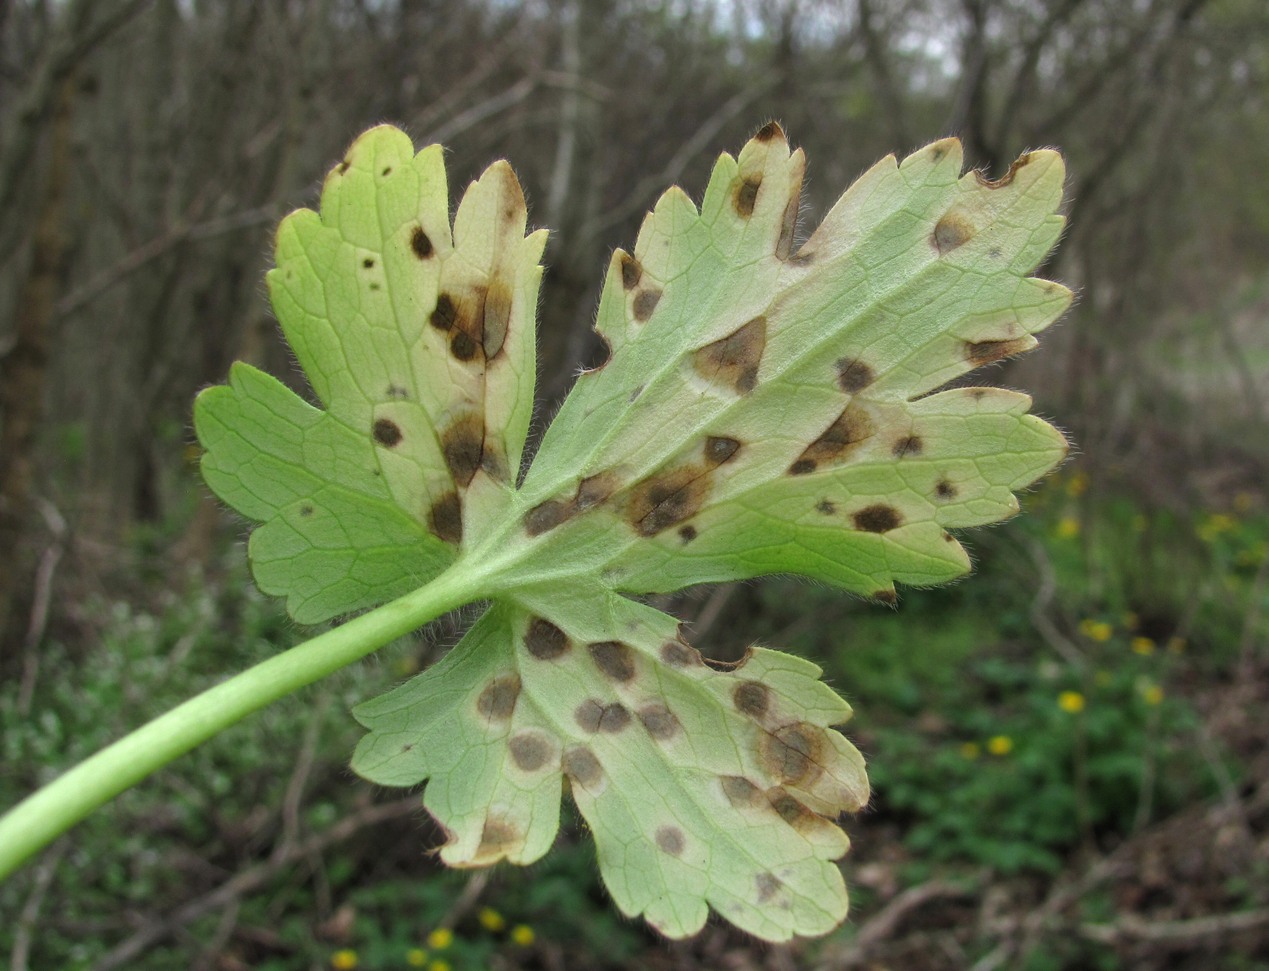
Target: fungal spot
[[419, 242], [732, 361], [614, 659], [793, 753], [667, 499], [631, 271], [727, 666], [396, 391], [826, 507], [445, 518], [498, 699], [592, 715], [660, 722], [746, 196], [851, 428], [463, 445], [977, 393], [670, 840], [306, 510], [788, 228], [634, 394], [545, 641], [545, 516], [1005, 179], [529, 751], [445, 313], [497, 317], [945, 490], [719, 450], [768, 885], [752, 698], [407, 747], [949, 538], [387, 432], [497, 838], [877, 518], [368, 263], [595, 489], [687, 533], [373, 286], [853, 375], [987, 352], [645, 302], [769, 132], [951, 231], [740, 792], [343, 166], [679, 655], [936, 154], [582, 767], [907, 445], [790, 809], [462, 346], [886, 596]]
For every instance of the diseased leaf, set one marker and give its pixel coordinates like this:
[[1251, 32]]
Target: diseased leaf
[[767, 407]]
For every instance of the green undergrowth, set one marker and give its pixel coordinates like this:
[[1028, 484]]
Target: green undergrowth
[[991, 743]]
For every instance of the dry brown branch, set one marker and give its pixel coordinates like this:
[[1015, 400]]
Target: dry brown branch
[[1195, 930]]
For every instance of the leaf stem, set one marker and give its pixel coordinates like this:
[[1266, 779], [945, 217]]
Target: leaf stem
[[53, 809]]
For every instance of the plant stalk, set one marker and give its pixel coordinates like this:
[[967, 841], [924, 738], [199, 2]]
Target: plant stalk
[[55, 808]]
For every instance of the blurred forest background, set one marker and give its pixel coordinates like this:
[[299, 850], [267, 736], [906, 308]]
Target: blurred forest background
[[1068, 750]]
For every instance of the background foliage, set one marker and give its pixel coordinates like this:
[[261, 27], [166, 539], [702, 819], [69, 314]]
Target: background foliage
[[1067, 752]]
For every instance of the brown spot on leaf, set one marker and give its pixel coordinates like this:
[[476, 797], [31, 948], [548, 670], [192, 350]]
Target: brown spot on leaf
[[631, 271], [497, 317], [498, 838], [769, 132], [790, 809], [1005, 179], [826, 507], [398, 392], [445, 518], [614, 659], [595, 489], [634, 394], [368, 263], [788, 227], [529, 750], [645, 302], [877, 518], [343, 166], [670, 840], [735, 665], [463, 445], [592, 715], [907, 445], [986, 352], [666, 499], [687, 533], [851, 428], [445, 313], [794, 753], [887, 596], [945, 490], [747, 195], [740, 792], [463, 346], [853, 375], [387, 432], [582, 767], [719, 450], [732, 361], [306, 510], [768, 885], [679, 655], [420, 244], [545, 516], [498, 699], [951, 231], [545, 641], [660, 722], [751, 698]]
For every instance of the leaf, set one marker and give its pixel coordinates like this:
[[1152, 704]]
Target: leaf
[[766, 407]]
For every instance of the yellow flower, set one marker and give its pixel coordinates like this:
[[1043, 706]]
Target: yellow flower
[[1077, 485], [523, 935], [344, 960], [970, 750], [440, 938], [1214, 525], [1143, 645], [1000, 745], [491, 920], [1152, 694], [439, 965], [1096, 630], [1071, 702], [1068, 527], [416, 957]]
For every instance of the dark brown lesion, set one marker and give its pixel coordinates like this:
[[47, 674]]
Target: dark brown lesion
[[645, 302], [887, 596], [767, 886], [732, 361], [853, 375], [420, 244], [719, 450], [877, 518], [746, 195], [463, 445], [944, 490], [545, 516], [497, 317], [595, 490], [670, 840], [752, 698], [688, 533], [614, 659], [769, 132], [497, 701], [907, 445], [1008, 177], [661, 723], [545, 641], [387, 432], [582, 768], [851, 429], [951, 231], [679, 655], [445, 518], [788, 227], [795, 753], [988, 352], [667, 499], [740, 792], [498, 838], [631, 271], [593, 716], [529, 751]]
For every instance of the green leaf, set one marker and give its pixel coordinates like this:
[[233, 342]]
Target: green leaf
[[766, 407]]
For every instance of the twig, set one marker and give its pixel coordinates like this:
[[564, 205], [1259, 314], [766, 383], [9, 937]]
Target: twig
[[881, 925], [31, 909], [40, 602], [1193, 930], [1043, 600]]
